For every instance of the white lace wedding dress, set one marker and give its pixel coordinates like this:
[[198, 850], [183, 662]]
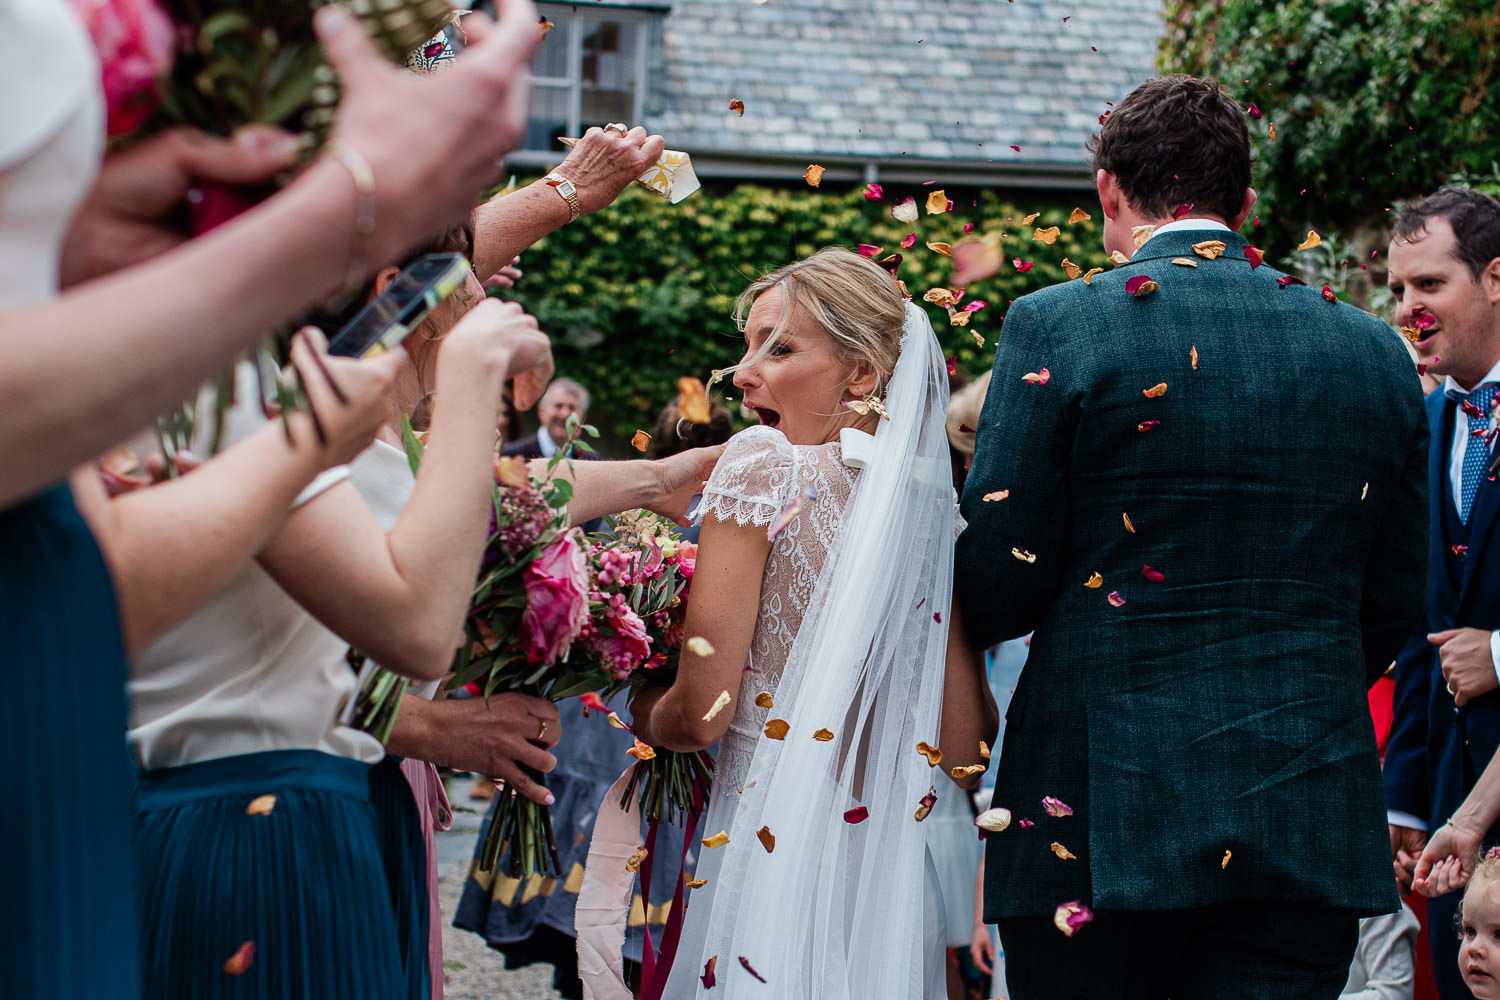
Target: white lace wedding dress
[[825, 890]]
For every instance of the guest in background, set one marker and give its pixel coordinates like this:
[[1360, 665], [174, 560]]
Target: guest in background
[[563, 400]]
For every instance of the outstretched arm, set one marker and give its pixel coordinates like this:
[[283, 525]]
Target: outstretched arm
[[969, 710], [666, 485]]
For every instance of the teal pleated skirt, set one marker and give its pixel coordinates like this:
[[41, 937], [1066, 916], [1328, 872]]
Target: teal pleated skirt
[[281, 851]]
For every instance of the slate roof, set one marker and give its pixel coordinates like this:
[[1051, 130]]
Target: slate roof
[[895, 87]]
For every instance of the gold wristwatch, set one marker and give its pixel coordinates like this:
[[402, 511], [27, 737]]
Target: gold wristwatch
[[569, 193]]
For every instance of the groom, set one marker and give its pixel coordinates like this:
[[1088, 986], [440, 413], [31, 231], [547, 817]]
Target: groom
[[1203, 487]]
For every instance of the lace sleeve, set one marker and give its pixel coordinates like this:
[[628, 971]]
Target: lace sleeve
[[753, 479]]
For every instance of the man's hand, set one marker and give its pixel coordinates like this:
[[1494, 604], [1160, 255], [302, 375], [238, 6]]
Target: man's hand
[[1468, 666], [133, 211], [1406, 846], [604, 162], [503, 736], [680, 477]]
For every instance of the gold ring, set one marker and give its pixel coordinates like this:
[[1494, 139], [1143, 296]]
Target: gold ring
[[542, 732], [619, 127]]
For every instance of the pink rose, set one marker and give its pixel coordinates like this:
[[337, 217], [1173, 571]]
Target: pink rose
[[134, 39], [629, 646], [557, 599]]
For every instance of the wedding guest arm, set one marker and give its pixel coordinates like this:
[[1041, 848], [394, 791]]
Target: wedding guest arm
[[430, 143], [665, 486], [1030, 461], [173, 545], [1447, 859], [502, 736], [400, 596], [970, 714], [601, 166]]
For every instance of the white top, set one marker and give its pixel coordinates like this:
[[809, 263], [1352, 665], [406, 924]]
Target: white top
[[51, 135], [251, 670]]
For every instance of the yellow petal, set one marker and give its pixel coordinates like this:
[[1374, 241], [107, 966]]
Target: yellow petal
[[823, 735], [937, 202], [613, 718], [261, 805], [964, 772], [1088, 277], [718, 706], [776, 729], [938, 246], [640, 441], [1225, 863], [717, 840], [1094, 582], [1184, 262], [933, 754], [1117, 258], [692, 400], [1030, 218], [633, 863], [699, 646], [984, 750], [696, 883], [1210, 249], [997, 495], [764, 699], [1063, 852], [813, 174], [510, 470], [1071, 269], [1079, 215], [1128, 526], [641, 751], [1271, 133], [1141, 234], [1048, 235], [1313, 240], [993, 820], [1023, 555], [1193, 354], [1157, 390]]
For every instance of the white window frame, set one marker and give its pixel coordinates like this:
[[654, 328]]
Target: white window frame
[[569, 19]]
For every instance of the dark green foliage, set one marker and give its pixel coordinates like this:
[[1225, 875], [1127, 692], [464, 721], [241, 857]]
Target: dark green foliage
[[1373, 101], [642, 293]]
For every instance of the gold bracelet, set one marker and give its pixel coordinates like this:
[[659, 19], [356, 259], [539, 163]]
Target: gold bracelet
[[364, 212], [569, 193]]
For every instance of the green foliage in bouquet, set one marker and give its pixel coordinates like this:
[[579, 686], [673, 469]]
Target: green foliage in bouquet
[[657, 282]]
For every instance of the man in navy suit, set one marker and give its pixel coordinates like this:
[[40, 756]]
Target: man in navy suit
[[563, 399], [1445, 274]]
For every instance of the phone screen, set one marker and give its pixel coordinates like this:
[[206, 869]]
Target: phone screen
[[390, 316]]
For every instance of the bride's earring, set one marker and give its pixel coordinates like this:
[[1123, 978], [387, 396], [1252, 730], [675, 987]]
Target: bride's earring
[[870, 404]]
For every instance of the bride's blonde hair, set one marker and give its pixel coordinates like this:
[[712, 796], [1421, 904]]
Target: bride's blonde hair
[[855, 301]]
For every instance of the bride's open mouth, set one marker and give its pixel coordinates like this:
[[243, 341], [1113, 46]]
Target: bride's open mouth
[[769, 418]]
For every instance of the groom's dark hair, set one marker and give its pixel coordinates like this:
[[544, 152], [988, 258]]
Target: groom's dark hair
[[1177, 140], [1474, 216]]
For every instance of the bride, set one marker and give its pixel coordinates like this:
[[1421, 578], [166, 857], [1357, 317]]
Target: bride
[[823, 587]]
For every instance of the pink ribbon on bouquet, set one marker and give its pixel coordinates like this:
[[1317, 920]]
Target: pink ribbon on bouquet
[[604, 898]]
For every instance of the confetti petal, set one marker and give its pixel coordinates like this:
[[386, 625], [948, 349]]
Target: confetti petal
[[966, 772], [937, 246], [1225, 863], [1157, 390], [905, 210], [767, 838], [1071, 269], [717, 840], [1140, 285], [1071, 916], [640, 441], [1271, 131], [717, 707], [908, 241], [856, 815], [1253, 111], [1364, 492], [699, 646], [1328, 294], [239, 963], [776, 729], [1037, 378], [510, 470], [937, 203], [1063, 852], [1129, 525], [993, 820], [633, 863], [1182, 210], [823, 735], [1094, 582], [1184, 262], [696, 883], [1115, 599], [1030, 218], [997, 495], [1022, 266], [868, 249], [984, 750], [737, 106], [641, 751], [1023, 555], [745, 962], [924, 807], [613, 718], [813, 174], [692, 400], [1153, 575], [874, 192], [933, 754], [1117, 258], [1026, 824], [1147, 425], [1210, 249], [708, 973], [1140, 234], [1193, 356], [1088, 277], [1287, 280], [764, 699], [1313, 240], [592, 702], [976, 259], [1056, 807], [1255, 256], [261, 805], [1079, 215], [789, 513], [940, 297], [1048, 235]]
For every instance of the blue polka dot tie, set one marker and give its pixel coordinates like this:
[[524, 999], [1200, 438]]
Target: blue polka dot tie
[[1477, 449]]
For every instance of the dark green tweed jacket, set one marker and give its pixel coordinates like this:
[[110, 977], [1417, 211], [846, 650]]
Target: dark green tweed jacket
[[1202, 710]]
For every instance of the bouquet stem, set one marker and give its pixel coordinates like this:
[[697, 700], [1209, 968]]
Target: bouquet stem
[[525, 827], [666, 784], [378, 701]]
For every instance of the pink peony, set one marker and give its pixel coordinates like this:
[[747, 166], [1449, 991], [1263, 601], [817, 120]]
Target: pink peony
[[629, 646], [134, 39], [557, 599]]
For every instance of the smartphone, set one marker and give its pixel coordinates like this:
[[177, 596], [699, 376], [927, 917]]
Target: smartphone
[[391, 315]]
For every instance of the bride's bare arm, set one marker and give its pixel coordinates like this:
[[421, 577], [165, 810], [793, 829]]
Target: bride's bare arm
[[723, 607], [969, 710]]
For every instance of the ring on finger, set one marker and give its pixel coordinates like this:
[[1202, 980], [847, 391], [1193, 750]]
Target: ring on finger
[[541, 733], [619, 127], [1450, 689]]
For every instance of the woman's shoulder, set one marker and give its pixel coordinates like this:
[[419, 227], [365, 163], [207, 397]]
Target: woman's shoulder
[[750, 482]]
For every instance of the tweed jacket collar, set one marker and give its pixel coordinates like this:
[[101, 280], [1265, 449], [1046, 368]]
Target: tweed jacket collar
[[1180, 244]]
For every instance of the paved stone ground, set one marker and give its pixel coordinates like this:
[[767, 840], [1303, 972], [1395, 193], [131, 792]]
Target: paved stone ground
[[476, 971]]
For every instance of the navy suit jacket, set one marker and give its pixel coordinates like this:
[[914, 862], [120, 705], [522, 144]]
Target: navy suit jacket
[[1265, 452], [1437, 750]]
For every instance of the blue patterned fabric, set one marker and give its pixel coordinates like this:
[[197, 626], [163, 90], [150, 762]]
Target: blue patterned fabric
[[1476, 451], [69, 885]]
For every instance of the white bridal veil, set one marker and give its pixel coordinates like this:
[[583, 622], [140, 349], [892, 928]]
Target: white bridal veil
[[835, 911]]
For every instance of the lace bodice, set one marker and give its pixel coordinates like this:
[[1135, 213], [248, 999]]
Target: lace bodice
[[759, 473]]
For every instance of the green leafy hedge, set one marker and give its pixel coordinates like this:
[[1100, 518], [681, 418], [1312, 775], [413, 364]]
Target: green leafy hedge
[[641, 293]]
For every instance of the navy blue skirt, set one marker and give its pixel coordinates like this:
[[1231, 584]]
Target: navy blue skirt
[[277, 849], [68, 887]]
